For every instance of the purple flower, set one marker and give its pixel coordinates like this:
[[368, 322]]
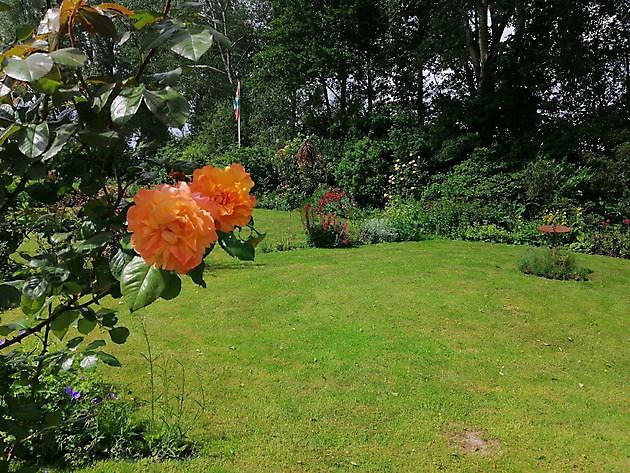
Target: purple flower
[[3, 341], [21, 332], [112, 395], [74, 395], [96, 400]]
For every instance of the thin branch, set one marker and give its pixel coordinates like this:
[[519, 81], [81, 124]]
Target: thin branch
[[58, 311]]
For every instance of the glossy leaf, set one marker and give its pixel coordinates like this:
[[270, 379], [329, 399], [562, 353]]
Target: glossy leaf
[[34, 139], [47, 85], [173, 286], [67, 363], [126, 104], [108, 359], [118, 262], [168, 106], [243, 250], [63, 134], [61, 324], [85, 326], [192, 43], [169, 77], [119, 335], [95, 344], [71, 57], [74, 342], [31, 306], [9, 297], [35, 287], [141, 284], [30, 69], [97, 23], [95, 241], [88, 362], [144, 18], [11, 129]]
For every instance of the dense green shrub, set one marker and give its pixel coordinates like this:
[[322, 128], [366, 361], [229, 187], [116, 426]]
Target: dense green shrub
[[297, 179], [608, 240], [405, 217], [362, 171], [553, 264], [549, 183], [487, 232], [609, 187]]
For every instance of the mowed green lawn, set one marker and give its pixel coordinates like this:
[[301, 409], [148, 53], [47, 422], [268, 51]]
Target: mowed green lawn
[[385, 358]]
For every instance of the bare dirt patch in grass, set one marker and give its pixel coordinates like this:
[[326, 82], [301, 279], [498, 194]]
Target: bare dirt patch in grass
[[474, 441]]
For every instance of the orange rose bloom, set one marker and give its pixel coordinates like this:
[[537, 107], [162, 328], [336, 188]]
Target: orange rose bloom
[[170, 229], [229, 189]]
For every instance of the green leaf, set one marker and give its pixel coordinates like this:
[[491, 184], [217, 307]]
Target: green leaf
[[72, 287], [85, 326], [196, 274], [31, 306], [95, 344], [47, 85], [108, 359], [95, 241], [11, 129], [57, 238], [23, 32], [118, 262], [74, 342], [9, 297], [35, 287], [243, 250], [67, 363], [94, 139], [5, 330], [30, 69], [119, 335], [192, 43], [108, 317], [42, 261], [101, 24], [89, 361], [126, 104], [141, 284], [144, 18], [34, 139], [60, 325], [5, 6], [168, 105], [71, 57], [169, 77], [173, 285], [63, 134], [158, 35]]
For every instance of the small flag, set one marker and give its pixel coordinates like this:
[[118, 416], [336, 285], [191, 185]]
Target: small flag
[[237, 101]]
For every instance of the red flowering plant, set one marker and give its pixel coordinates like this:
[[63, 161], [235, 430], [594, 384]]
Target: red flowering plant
[[326, 220]]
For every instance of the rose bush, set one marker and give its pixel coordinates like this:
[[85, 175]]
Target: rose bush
[[67, 129]]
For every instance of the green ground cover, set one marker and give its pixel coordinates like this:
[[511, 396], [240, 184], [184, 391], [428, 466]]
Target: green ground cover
[[427, 356]]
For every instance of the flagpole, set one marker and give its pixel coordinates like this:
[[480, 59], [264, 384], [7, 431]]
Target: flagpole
[[238, 118]]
